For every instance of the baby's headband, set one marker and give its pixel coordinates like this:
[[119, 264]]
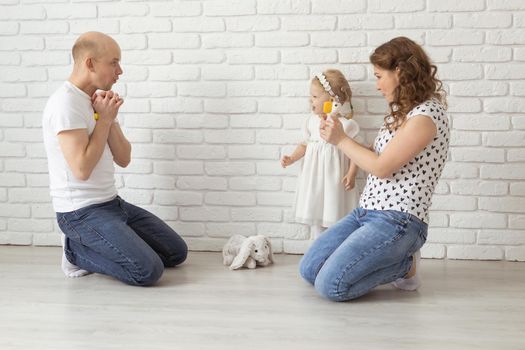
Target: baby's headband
[[326, 85]]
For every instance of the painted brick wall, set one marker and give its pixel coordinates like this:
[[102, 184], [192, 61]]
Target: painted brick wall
[[216, 91]]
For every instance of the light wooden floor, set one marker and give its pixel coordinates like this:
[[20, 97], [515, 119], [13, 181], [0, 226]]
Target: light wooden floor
[[203, 305]]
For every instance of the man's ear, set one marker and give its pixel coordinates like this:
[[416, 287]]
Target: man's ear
[[89, 64]]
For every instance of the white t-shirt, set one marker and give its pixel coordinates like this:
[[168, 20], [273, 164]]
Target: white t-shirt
[[410, 189], [70, 108]]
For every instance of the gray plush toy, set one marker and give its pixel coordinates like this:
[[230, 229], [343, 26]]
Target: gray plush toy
[[241, 251]]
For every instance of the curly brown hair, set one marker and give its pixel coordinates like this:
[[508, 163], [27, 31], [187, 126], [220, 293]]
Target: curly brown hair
[[417, 77]]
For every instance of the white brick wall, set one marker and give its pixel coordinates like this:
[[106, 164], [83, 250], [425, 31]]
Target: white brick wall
[[216, 91]]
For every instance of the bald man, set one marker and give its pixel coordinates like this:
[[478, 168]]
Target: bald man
[[83, 139]]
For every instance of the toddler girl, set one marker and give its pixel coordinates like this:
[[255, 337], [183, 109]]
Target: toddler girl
[[325, 189]]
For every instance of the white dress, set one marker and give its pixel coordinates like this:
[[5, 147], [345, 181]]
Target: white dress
[[321, 198]]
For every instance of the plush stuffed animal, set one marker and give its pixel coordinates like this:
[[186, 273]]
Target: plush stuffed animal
[[241, 251]]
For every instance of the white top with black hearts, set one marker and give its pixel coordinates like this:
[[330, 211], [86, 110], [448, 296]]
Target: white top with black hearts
[[410, 189]]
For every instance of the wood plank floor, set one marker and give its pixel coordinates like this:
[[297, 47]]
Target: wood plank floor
[[203, 305]]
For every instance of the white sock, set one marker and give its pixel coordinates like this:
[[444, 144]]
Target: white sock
[[69, 269], [316, 231], [413, 282]]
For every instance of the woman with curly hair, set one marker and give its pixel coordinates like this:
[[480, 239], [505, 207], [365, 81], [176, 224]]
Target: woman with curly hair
[[379, 242]]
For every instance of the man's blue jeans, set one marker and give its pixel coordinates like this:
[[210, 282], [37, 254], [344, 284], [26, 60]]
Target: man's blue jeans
[[119, 239], [365, 249]]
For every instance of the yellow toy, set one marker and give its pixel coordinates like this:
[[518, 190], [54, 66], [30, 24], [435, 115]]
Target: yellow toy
[[333, 108], [327, 107]]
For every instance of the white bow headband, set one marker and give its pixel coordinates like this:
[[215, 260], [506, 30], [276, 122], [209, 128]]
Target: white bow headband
[[347, 106], [326, 85]]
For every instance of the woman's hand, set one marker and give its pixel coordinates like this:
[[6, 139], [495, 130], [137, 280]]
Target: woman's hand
[[332, 131]]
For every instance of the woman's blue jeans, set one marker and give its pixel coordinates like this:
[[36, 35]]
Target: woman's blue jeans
[[119, 239], [365, 249]]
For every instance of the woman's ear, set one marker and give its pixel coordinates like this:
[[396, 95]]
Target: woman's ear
[[244, 253]]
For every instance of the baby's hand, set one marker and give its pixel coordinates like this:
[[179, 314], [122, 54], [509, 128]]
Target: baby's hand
[[286, 161], [348, 182]]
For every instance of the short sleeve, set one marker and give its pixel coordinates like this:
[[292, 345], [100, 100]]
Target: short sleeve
[[431, 108], [67, 119], [351, 128]]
